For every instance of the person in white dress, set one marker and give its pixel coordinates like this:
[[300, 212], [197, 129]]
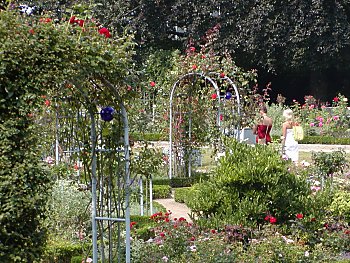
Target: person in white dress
[[290, 147]]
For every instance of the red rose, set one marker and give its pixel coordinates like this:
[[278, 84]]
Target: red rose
[[132, 224], [192, 49], [313, 219], [214, 96], [162, 234], [182, 219], [194, 67], [213, 231], [221, 117], [31, 31], [267, 218], [47, 103], [104, 31], [72, 20], [193, 239], [336, 99], [152, 84], [81, 22], [299, 216], [273, 220], [222, 75], [203, 56]]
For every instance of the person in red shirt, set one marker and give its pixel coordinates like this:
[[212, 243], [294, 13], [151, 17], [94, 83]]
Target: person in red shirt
[[263, 127]]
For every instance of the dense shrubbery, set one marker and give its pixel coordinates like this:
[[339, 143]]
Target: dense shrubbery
[[180, 194], [246, 187], [161, 191]]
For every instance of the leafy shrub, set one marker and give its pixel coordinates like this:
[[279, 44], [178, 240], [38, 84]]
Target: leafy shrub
[[329, 163], [161, 191], [161, 181], [188, 181], [24, 191], [69, 215], [340, 205], [180, 194], [246, 187], [62, 251]]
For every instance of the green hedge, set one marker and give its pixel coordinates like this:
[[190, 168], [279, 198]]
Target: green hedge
[[325, 140], [63, 251], [161, 181], [161, 191], [180, 194], [177, 182]]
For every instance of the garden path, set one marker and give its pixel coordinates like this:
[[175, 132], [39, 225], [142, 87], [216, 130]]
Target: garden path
[[177, 209]]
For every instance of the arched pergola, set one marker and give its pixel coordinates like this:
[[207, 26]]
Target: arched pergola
[[108, 168], [211, 79]]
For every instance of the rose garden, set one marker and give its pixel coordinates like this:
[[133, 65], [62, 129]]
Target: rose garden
[[89, 139]]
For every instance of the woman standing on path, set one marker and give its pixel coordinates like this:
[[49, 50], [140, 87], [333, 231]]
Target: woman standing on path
[[290, 147], [263, 128]]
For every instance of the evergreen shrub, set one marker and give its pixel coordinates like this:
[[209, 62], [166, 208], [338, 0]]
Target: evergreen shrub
[[249, 184], [161, 191], [180, 194]]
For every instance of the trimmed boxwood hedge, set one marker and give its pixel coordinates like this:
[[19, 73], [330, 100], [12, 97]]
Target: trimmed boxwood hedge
[[180, 194], [325, 140], [63, 251], [161, 191]]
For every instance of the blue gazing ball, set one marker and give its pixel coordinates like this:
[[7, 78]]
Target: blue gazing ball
[[107, 113], [228, 95]]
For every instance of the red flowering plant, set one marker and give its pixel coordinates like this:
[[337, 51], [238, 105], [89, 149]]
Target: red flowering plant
[[172, 236]]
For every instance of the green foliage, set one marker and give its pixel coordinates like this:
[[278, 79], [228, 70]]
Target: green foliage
[[24, 191], [137, 136], [247, 186], [161, 181], [161, 191], [181, 194], [41, 58], [176, 182], [340, 206], [257, 33], [69, 207], [326, 164], [147, 160], [323, 139], [61, 251]]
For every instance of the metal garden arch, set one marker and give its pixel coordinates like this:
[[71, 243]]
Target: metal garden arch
[[211, 78]]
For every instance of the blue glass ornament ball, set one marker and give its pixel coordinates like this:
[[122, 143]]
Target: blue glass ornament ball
[[107, 113]]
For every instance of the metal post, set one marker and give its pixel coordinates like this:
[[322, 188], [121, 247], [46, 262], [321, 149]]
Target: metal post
[[127, 183], [141, 195], [93, 185], [150, 195]]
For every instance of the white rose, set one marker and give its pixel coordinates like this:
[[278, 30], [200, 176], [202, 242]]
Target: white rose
[[345, 99]]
